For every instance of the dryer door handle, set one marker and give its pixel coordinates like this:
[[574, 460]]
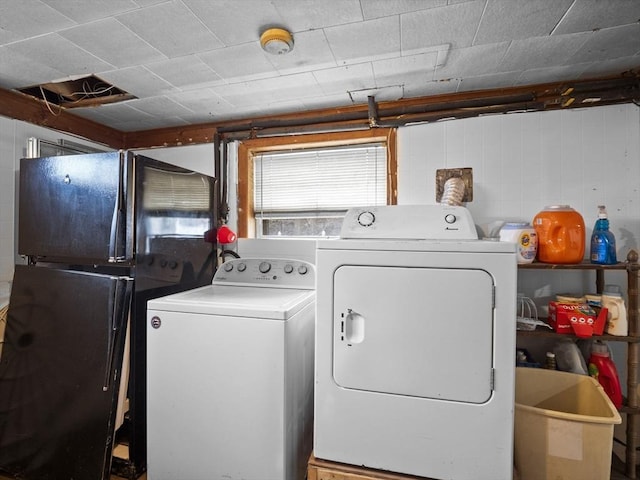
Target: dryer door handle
[[353, 326]]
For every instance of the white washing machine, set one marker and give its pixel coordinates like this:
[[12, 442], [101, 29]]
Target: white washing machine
[[230, 375], [415, 342]]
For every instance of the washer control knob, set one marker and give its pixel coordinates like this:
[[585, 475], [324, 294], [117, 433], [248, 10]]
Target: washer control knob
[[288, 268], [450, 218], [227, 267], [264, 267], [366, 219], [242, 267], [302, 269]]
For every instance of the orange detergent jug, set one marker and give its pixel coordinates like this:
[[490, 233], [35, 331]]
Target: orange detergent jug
[[561, 235]]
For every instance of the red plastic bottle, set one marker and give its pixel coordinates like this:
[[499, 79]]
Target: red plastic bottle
[[602, 368]]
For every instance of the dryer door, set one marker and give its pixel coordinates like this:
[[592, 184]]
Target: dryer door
[[424, 332]]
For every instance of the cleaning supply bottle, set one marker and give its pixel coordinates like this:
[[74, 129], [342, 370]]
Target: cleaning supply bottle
[[617, 323], [603, 242], [561, 235], [602, 368]]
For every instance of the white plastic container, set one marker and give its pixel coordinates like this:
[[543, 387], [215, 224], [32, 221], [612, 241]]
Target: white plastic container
[[612, 300], [525, 238]]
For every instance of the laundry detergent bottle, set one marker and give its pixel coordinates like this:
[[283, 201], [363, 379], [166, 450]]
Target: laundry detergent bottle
[[603, 242], [602, 368], [612, 300], [561, 235]]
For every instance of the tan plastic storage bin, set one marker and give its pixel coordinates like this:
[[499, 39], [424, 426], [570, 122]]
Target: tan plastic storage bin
[[563, 426]]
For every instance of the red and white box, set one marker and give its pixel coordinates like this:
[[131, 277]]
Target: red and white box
[[578, 319]]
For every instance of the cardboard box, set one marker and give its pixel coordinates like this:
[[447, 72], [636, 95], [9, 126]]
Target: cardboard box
[[578, 319]]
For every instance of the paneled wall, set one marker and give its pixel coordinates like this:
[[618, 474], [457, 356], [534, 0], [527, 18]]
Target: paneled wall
[[523, 162]]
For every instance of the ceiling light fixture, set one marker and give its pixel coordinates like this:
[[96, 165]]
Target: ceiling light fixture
[[276, 41]]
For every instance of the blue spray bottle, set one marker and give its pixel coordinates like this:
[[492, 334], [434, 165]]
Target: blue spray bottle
[[603, 243]]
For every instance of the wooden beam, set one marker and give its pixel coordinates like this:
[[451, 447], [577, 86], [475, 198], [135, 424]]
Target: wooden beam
[[623, 88], [28, 109]]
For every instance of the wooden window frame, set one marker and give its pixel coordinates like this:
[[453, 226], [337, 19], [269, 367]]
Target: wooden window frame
[[248, 149]]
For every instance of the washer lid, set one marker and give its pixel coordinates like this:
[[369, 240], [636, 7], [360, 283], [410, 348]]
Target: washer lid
[[236, 301]]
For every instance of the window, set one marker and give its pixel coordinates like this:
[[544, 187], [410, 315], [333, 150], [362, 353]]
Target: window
[[303, 189]]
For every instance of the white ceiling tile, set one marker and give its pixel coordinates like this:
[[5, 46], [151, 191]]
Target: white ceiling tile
[[503, 21], [486, 82], [300, 15], [610, 67], [146, 3], [542, 52], [609, 43], [159, 106], [123, 112], [225, 62], [327, 101], [89, 10], [185, 72], [407, 81], [138, 81], [235, 22], [472, 61], [588, 15], [385, 8], [310, 52], [366, 41], [394, 69], [290, 87], [111, 41], [453, 24], [426, 89], [171, 28], [28, 18], [337, 80], [59, 53], [96, 114], [284, 107], [19, 71], [551, 74], [203, 102], [7, 37]]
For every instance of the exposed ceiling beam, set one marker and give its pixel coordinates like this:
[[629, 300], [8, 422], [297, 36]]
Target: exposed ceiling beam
[[552, 96], [26, 108]]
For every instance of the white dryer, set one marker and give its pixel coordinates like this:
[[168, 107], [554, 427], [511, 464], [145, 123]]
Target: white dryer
[[230, 375], [415, 342]]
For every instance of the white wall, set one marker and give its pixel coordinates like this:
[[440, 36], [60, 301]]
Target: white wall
[[523, 162]]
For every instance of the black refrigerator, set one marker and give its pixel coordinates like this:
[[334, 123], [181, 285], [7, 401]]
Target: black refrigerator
[[102, 233]]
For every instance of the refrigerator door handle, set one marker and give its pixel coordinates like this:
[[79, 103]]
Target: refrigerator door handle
[[113, 234], [120, 299], [117, 218]]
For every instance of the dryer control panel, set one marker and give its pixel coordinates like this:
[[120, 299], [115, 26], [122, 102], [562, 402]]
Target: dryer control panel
[[271, 272], [410, 222]]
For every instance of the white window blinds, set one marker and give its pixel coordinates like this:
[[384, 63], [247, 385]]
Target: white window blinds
[[329, 179]]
